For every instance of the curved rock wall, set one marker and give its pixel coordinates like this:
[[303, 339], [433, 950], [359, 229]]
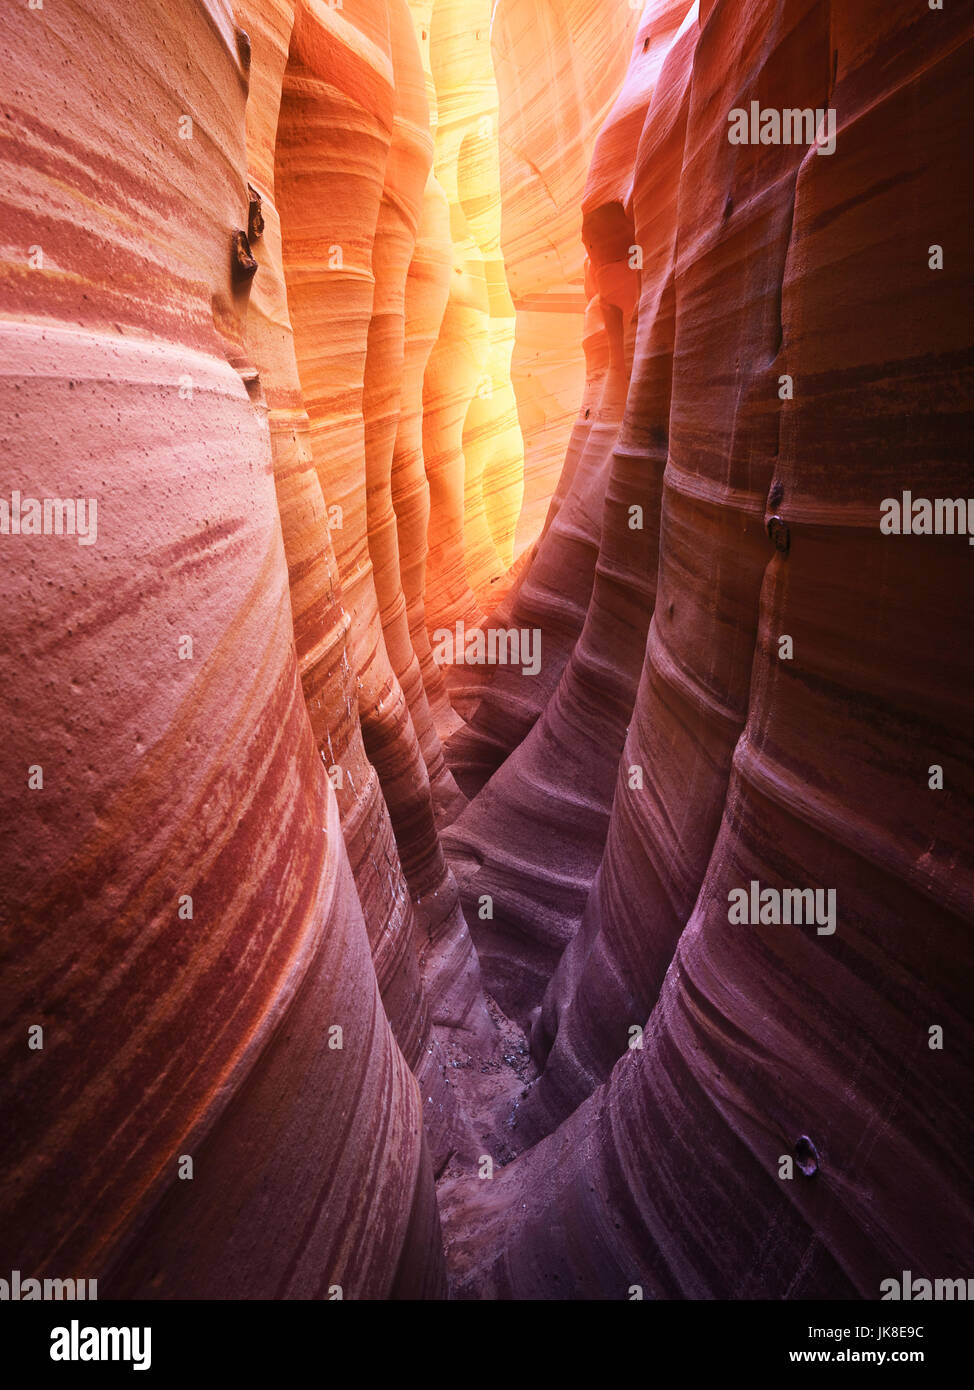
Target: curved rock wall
[[400, 929], [559, 65], [338, 142], [474, 452], [255, 306], [808, 764], [532, 840], [184, 830]]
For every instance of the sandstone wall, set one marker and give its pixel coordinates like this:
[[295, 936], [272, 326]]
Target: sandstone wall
[[260, 274], [766, 1042], [184, 917]]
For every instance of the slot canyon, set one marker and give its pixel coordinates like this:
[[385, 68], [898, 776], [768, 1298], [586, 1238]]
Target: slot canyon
[[488, 768]]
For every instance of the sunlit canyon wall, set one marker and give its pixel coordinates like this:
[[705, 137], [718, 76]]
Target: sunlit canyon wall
[[335, 968]]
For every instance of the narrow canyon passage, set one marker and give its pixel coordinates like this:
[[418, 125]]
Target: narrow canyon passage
[[489, 779]]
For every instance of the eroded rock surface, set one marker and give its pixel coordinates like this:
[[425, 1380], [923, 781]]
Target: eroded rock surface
[[351, 324]]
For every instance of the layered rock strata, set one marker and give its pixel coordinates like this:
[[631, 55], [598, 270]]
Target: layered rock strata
[[472, 441], [559, 65], [760, 1077], [182, 914], [258, 329], [536, 865]]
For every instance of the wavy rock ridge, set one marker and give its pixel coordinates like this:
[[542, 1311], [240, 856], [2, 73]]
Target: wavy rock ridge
[[336, 310], [684, 1058]]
